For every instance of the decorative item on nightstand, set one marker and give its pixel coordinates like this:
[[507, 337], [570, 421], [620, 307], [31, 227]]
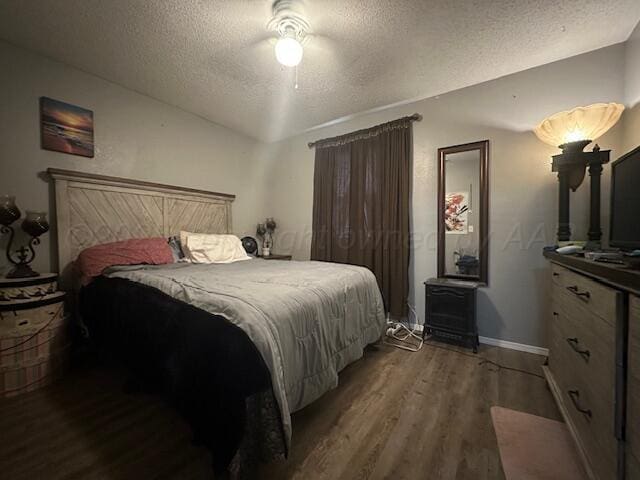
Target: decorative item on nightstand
[[572, 131], [35, 225], [265, 230], [33, 333], [250, 245]]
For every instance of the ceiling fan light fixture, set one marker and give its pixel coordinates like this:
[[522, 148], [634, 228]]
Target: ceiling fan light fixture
[[291, 27], [289, 51]]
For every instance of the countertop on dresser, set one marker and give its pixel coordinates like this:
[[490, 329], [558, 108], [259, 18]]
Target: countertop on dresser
[[617, 276]]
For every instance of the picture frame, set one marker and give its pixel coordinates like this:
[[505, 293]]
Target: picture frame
[[456, 214], [66, 128]]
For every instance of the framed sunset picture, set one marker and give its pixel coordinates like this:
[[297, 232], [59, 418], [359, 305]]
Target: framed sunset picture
[[66, 128]]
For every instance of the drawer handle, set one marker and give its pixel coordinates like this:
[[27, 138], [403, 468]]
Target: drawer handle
[[574, 395], [582, 295], [555, 274], [573, 343]]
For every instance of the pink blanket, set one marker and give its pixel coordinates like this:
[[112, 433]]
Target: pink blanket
[[94, 260]]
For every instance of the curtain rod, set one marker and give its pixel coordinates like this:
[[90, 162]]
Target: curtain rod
[[416, 117]]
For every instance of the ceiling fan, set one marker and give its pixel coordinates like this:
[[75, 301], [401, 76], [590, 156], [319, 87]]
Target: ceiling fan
[[289, 23]]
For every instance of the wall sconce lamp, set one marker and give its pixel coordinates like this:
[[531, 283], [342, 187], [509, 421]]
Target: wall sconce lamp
[[35, 224], [572, 131]]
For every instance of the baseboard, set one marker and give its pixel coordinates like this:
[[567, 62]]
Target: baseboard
[[521, 347]]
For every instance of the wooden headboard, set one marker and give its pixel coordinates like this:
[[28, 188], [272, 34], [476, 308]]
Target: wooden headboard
[[93, 209]]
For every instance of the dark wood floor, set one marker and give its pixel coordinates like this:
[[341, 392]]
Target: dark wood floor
[[395, 415]]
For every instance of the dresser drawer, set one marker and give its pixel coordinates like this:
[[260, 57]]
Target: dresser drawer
[[599, 447], [587, 347], [633, 467], [582, 361], [590, 414], [633, 379], [582, 291]]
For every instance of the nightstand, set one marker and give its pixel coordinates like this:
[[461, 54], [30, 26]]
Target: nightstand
[[451, 311], [33, 333], [274, 256]]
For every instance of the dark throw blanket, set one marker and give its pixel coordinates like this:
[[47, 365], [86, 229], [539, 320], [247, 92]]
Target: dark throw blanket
[[208, 368]]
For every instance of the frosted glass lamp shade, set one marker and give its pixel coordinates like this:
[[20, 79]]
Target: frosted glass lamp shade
[[579, 124], [288, 51], [9, 212]]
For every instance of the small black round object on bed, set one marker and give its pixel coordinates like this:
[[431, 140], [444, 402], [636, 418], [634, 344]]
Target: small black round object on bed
[[250, 245]]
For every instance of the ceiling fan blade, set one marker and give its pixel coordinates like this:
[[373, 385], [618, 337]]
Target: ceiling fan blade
[[267, 37], [325, 49]]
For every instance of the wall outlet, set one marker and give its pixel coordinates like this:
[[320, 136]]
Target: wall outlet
[[470, 228]]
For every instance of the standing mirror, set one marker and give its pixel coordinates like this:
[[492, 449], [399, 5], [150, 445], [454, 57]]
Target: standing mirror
[[463, 211]]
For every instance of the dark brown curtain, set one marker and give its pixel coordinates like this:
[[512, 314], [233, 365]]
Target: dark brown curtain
[[361, 205]]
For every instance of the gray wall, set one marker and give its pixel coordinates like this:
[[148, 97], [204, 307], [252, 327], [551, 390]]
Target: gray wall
[[135, 136], [139, 137], [631, 137], [523, 191]]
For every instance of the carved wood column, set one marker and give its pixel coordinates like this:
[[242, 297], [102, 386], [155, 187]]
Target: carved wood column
[[564, 225], [595, 231], [595, 172]]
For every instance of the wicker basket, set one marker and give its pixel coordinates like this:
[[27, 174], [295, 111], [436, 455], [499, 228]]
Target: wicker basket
[[33, 348]]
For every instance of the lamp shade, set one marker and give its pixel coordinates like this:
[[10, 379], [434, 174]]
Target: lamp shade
[[581, 123], [9, 212], [288, 51]]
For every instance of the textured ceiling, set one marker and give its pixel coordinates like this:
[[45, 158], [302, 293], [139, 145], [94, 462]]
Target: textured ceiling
[[215, 58]]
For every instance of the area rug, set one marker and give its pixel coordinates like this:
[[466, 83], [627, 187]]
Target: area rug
[[535, 448]]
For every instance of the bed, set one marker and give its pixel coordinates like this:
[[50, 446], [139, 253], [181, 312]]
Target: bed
[[237, 347]]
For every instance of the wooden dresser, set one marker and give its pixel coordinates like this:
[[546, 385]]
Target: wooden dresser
[[633, 391], [594, 362]]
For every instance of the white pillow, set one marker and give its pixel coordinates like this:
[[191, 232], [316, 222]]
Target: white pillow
[[211, 248]]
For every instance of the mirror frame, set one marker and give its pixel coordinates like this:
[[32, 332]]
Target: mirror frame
[[483, 234]]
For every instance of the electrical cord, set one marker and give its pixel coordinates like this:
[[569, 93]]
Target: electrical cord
[[401, 333], [404, 337], [484, 360], [404, 343]]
